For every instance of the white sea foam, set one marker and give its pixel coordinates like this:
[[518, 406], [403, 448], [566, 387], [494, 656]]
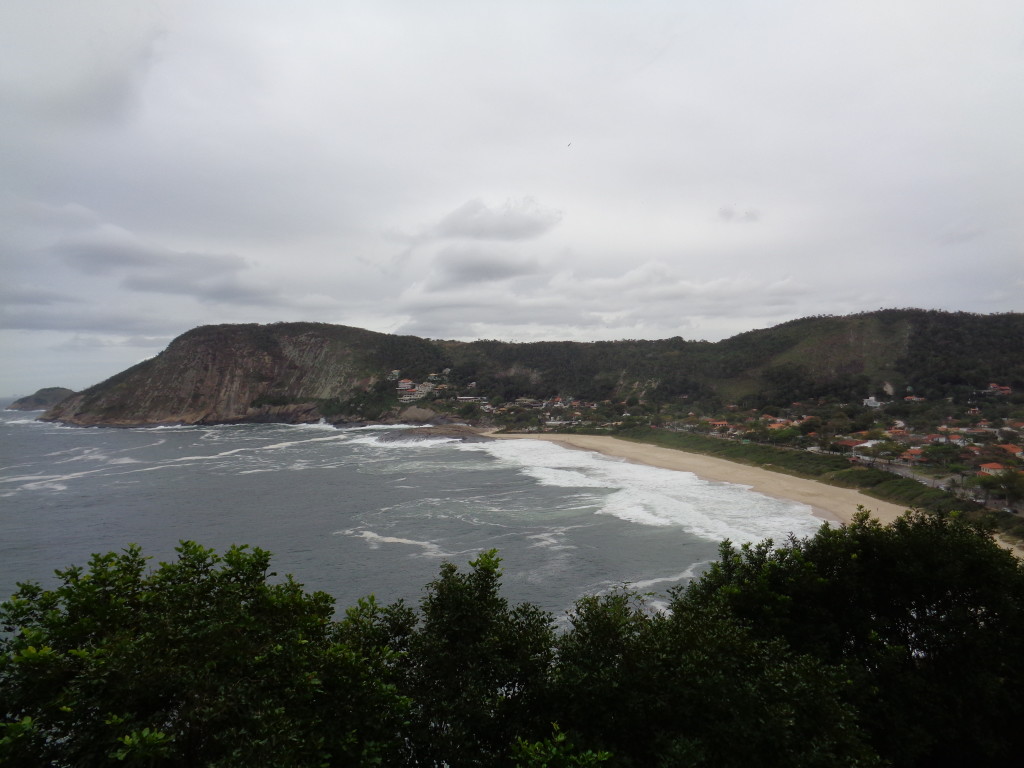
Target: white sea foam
[[552, 538], [384, 427], [124, 460], [210, 457], [255, 449], [430, 549], [46, 482], [322, 424], [566, 478], [50, 485], [689, 573], [654, 496], [412, 444], [290, 443]]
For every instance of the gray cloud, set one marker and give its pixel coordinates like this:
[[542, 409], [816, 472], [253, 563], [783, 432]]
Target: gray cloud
[[457, 265], [109, 248], [168, 165], [229, 291], [93, 319], [958, 237], [514, 220], [144, 267], [31, 295], [65, 68], [650, 300], [729, 213], [87, 342]]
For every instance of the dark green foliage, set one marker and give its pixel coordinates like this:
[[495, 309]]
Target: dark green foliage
[[926, 615], [1008, 484], [866, 645], [861, 477], [41, 399], [370, 404], [198, 662], [793, 462], [476, 668], [695, 688], [417, 358], [555, 752], [957, 352], [828, 359]]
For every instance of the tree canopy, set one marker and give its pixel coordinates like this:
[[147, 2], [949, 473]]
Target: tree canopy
[[862, 645]]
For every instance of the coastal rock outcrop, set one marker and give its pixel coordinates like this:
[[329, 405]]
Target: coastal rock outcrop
[[41, 399], [285, 372]]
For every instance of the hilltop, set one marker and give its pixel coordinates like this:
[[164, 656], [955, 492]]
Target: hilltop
[[41, 399], [301, 372]]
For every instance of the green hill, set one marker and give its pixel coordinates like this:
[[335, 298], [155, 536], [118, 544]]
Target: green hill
[[306, 371]]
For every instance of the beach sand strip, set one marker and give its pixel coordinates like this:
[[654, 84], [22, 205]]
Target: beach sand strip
[[827, 502]]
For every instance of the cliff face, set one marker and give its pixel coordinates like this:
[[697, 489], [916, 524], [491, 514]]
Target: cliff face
[[224, 374]]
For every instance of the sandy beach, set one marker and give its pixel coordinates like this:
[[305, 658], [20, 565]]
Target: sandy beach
[[826, 501]]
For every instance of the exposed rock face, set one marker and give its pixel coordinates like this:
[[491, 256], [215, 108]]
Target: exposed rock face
[[233, 373], [47, 397]]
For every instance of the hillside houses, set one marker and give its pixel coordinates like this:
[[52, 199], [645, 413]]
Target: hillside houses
[[409, 391], [968, 448]]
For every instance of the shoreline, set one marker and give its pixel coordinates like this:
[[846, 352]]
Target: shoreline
[[827, 502]]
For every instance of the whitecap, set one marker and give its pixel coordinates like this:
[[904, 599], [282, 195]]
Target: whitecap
[[413, 443], [657, 497], [689, 573], [322, 424], [169, 427], [384, 427], [430, 548], [553, 539]]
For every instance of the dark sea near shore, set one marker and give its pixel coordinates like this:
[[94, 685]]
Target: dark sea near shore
[[366, 510]]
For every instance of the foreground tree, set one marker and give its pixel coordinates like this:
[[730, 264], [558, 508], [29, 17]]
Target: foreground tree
[[474, 667], [898, 644], [197, 662], [926, 615], [694, 688]]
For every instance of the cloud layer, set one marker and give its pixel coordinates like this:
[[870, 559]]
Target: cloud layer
[[518, 171]]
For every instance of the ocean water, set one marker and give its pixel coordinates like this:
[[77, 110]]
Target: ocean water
[[367, 510]]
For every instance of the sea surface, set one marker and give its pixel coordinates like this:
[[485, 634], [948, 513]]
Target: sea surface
[[367, 510]]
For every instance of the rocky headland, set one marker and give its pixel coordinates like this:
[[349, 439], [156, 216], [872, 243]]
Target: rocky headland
[[41, 399]]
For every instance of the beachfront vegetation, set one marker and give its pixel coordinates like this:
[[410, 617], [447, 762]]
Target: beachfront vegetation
[[864, 645]]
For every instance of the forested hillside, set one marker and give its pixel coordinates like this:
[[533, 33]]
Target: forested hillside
[[308, 371]]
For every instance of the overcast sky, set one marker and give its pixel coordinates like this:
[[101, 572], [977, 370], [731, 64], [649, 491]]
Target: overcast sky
[[516, 170]]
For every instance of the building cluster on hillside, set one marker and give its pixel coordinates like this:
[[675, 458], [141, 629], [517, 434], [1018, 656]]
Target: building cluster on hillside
[[973, 445], [992, 390], [410, 391]]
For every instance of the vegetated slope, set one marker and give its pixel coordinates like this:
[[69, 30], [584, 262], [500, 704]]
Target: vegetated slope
[[41, 399], [233, 373], [304, 371], [843, 357]]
